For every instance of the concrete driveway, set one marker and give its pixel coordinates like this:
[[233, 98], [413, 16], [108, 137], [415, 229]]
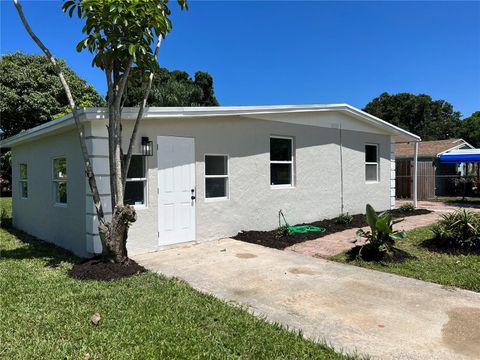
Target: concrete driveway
[[354, 309]]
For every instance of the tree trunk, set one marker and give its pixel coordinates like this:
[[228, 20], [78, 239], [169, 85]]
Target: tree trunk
[[114, 234]]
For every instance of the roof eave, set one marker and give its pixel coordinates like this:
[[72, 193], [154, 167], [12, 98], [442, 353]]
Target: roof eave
[[88, 114]]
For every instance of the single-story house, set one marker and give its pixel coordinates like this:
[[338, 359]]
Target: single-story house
[[435, 178], [205, 173]]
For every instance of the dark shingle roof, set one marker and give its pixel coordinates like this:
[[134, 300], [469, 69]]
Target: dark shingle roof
[[427, 148]]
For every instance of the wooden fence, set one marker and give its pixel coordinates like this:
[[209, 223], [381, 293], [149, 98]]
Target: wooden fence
[[404, 179]]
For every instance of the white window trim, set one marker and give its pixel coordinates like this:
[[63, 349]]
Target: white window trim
[[227, 176], [292, 162], [55, 203], [377, 163], [21, 181], [145, 184]]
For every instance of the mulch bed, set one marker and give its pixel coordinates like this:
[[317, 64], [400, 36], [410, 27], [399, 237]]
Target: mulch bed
[[99, 269], [370, 254], [273, 240]]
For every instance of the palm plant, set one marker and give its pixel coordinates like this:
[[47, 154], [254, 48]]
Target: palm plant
[[381, 237], [460, 229]]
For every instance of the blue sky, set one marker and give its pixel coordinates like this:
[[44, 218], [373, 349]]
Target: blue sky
[[297, 52]]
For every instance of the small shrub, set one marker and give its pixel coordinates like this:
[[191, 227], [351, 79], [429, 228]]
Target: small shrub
[[344, 219], [283, 231], [459, 229], [381, 237], [407, 207], [5, 219]]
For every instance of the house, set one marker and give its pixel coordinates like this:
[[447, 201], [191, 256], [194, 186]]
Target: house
[[205, 173], [435, 178]]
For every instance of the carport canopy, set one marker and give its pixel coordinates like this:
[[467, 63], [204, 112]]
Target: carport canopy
[[461, 156]]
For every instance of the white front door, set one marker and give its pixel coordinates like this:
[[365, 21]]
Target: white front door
[[176, 189]]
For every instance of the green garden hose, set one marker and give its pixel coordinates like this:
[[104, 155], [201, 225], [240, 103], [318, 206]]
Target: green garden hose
[[303, 229], [299, 229]]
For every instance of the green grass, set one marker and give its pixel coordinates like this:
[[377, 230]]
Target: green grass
[[454, 200], [45, 315], [457, 270]]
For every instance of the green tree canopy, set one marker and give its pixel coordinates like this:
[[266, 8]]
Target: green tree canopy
[[419, 114], [31, 93], [470, 129], [172, 88]]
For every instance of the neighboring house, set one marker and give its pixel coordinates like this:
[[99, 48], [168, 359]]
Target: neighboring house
[[211, 173], [434, 178]]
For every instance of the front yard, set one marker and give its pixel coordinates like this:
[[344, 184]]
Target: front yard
[[427, 263], [46, 315]]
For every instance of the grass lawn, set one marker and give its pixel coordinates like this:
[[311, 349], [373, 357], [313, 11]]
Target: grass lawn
[[458, 270], [45, 315], [454, 200]]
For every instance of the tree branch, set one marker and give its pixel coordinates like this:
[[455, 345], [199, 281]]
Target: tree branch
[[86, 158], [122, 84], [126, 164]]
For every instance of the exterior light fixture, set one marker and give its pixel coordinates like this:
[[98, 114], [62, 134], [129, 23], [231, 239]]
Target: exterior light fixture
[[147, 146]]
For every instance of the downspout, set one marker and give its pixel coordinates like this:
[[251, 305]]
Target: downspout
[[415, 182], [341, 170]]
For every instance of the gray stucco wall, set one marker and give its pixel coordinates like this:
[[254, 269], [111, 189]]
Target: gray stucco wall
[[38, 215], [253, 204]]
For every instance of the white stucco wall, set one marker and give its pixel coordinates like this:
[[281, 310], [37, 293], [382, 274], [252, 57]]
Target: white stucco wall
[[253, 204], [38, 215]]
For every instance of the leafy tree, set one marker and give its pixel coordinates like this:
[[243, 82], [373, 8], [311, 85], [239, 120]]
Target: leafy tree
[[30, 93], [431, 119], [174, 88], [470, 129], [121, 34]]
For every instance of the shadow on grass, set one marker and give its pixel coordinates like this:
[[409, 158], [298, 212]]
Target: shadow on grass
[[34, 248], [368, 254], [434, 245]]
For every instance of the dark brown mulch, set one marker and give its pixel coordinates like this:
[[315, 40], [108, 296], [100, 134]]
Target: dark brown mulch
[[370, 254], [102, 270], [273, 240]]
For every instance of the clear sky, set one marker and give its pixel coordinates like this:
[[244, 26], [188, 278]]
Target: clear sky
[[296, 52]]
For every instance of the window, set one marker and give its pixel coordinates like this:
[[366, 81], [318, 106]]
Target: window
[[281, 162], [136, 185], [216, 176], [23, 181], [371, 163], [60, 180]]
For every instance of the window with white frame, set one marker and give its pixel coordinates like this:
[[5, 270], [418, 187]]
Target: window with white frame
[[216, 176], [371, 163], [24, 181], [60, 180], [281, 161], [136, 184]]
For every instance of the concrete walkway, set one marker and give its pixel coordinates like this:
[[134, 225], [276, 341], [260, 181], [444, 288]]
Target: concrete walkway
[[339, 242], [354, 309]]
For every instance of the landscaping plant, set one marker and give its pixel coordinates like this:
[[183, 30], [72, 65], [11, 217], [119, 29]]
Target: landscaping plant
[[459, 229], [381, 237], [344, 219], [407, 207]]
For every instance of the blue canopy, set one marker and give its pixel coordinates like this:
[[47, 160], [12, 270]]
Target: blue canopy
[[461, 156]]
